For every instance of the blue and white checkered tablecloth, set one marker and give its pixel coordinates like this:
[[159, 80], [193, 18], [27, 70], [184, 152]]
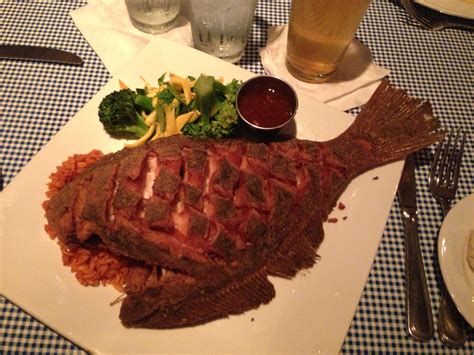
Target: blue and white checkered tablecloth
[[37, 99]]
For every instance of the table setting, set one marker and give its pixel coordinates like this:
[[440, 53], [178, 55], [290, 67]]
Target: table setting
[[376, 256]]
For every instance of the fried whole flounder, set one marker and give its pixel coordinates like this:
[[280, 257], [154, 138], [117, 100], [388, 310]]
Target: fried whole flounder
[[218, 217]]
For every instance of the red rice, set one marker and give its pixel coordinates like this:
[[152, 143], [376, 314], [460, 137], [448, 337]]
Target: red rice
[[93, 265]]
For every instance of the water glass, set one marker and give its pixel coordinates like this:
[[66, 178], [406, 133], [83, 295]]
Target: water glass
[[318, 34], [221, 28], [153, 16]]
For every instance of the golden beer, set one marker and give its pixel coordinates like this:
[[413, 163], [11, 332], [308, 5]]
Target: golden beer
[[318, 34]]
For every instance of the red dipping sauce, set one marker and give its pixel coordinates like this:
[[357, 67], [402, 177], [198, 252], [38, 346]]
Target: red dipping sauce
[[266, 102]]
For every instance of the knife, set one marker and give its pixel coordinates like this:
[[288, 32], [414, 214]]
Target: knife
[[42, 54], [418, 306]]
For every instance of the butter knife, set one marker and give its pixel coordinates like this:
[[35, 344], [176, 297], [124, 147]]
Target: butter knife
[[418, 307], [36, 53]]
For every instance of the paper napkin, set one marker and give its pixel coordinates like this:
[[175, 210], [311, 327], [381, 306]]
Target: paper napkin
[[106, 26]]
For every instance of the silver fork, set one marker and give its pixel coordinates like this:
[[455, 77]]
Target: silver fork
[[443, 182], [435, 23]]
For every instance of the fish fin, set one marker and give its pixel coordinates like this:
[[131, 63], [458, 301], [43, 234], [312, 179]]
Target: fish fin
[[390, 126], [167, 292], [299, 251], [206, 304]]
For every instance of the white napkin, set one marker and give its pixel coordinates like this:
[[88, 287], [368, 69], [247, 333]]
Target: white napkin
[[352, 84], [106, 26]]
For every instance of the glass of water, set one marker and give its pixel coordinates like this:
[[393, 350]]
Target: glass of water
[[221, 28], [153, 16]]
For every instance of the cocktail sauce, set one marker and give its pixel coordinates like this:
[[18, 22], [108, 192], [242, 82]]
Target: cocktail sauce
[[266, 102]]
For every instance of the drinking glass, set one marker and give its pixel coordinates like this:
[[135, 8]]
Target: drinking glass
[[153, 16], [221, 28], [318, 34]]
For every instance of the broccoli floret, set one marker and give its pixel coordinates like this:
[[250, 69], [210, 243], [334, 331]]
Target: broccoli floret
[[222, 125], [225, 121], [232, 88], [196, 129], [119, 116]]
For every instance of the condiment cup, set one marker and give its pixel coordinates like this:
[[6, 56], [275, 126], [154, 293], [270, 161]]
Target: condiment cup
[[266, 103]]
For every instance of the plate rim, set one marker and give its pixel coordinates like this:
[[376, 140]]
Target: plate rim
[[448, 11]]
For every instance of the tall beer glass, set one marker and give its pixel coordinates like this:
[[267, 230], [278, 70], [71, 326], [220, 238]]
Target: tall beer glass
[[319, 33]]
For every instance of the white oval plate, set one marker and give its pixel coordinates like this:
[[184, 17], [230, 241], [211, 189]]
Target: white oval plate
[[452, 253], [461, 8]]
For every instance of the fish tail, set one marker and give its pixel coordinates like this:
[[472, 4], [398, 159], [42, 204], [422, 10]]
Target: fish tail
[[389, 127], [298, 251]]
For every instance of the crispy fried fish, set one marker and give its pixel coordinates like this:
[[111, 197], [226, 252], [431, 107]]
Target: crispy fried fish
[[219, 217]]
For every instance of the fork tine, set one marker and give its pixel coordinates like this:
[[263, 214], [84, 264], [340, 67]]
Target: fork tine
[[443, 172], [457, 167], [410, 7], [426, 23], [452, 159], [434, 165]]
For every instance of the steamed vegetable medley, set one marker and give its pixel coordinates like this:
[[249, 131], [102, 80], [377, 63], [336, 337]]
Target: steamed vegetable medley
[[202, 108]]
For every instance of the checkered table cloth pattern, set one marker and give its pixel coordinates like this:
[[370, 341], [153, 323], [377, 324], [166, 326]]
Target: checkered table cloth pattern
[[37, 99]]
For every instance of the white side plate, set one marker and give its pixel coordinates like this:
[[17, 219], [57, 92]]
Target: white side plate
[[452, 253], [311, 313]]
